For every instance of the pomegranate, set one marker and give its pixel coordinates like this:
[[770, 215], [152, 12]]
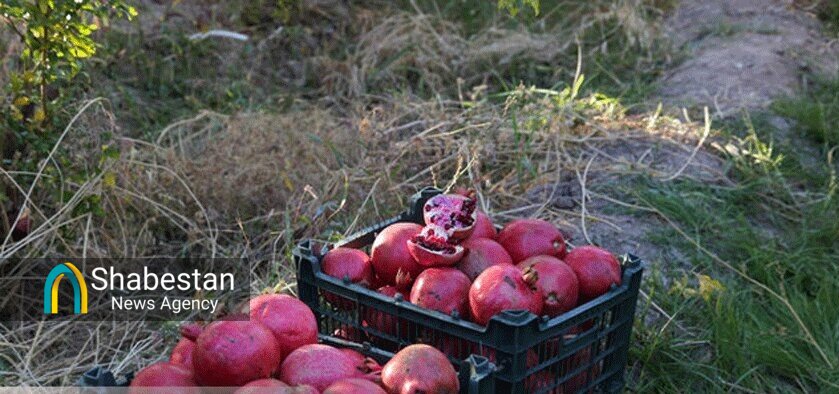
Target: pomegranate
[[420, 369], [482, 253], [452, 346], [431, 247], [543, 381], [350, 333], [261, 386], [164, 374], [390, 257], [22, 227], [289, 319], [364, 364], [557, 281], [597, 269], [392, 291], [442, 289], [302, 389], [182, 353], [354, 386], [500, 288], [525, 238], [234, 352], [483, 227], [318, 366], [348, 263], [455, 213], [585, 376]]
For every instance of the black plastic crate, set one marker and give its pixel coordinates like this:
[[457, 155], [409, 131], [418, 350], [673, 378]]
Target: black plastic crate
[[475, 372], [583, 350]]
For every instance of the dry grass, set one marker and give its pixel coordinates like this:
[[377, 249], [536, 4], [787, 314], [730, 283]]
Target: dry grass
[[251, 184]]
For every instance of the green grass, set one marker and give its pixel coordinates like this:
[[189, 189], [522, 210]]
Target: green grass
[[772, 241], [817, 112], [829, 13]]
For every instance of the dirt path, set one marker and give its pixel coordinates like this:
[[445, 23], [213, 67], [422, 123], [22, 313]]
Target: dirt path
[[743, 53]]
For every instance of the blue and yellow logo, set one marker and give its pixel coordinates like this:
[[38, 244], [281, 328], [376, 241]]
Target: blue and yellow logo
[[76, 279]]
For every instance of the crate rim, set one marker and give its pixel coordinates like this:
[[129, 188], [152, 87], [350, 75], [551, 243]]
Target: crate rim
[[632, 266]]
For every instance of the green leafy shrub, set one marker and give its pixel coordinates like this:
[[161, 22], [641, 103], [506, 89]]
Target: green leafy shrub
[[56, 37]]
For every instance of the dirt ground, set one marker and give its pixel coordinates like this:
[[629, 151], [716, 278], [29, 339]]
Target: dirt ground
[[743, 53]]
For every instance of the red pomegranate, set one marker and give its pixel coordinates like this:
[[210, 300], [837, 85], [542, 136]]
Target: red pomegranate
[[597, 269], [588, 374], [420, 369], [350, 333], [352, 264], [182, 353], [261, 386], [164, 374], [389, 255], [557, 281], [22, 227], [432, 247], [385, 323], [354, 386], [318, 366], [301, 389], [391, 291], [455, 213], [500, 288], [442, 289], [289, 319], [525, 238], [483, 227], [364, 364], [235, 352], [482, 253]]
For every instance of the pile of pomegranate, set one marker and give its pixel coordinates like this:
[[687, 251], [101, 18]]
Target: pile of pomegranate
[[458, 264], [275, 350]]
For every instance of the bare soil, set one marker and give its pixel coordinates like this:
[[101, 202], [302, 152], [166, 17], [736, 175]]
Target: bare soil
[[743, 53]]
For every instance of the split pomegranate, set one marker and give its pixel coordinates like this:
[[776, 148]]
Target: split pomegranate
[[431, 247], [500, 288], [557, 281], [391, 260], [482, 253], [420, 369], [261, 386], [525, 238], [182, 353], [348, 263], [289, 319], [455, 213], [442, 289], [235, 352], [597, 269], [354, 386], [483, 227], [318, 366], [164, 374]]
